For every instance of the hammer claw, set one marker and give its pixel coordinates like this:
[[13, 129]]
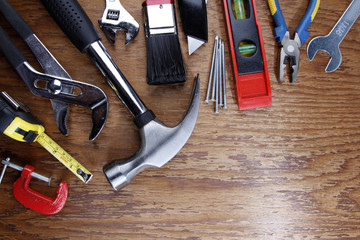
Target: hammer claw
[[159, 144]]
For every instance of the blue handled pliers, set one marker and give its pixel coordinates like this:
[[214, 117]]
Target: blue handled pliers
[[290, 48]]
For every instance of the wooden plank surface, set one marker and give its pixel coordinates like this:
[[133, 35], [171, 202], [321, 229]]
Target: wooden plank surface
[[290, 171]]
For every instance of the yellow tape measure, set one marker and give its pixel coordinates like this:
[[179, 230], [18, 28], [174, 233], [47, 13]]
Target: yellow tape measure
[[21, 126], [16, 130], [79, 170]]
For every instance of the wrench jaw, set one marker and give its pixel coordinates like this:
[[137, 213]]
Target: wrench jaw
[[321, 43], [131, 30], [314, 46], [335, 60], [159, 144], [61, 111], [115, 18]]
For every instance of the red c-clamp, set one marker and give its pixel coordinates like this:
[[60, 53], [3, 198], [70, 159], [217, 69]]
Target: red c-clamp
[[37, 201]]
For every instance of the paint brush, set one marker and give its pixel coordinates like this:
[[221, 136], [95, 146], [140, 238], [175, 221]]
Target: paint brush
[[164, 59]]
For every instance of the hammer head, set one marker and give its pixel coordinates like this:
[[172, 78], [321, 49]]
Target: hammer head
[[159, 144]]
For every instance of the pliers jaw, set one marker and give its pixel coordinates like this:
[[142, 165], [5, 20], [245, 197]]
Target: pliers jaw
[[290, 50], [291, 47]]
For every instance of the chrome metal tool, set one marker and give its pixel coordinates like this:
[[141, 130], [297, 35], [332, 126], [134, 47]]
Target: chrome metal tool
[[115, 18], [331, 42], [55, 83], [159, 143]]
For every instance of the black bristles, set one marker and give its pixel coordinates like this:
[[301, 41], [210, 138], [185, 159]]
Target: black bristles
[[164, 60]]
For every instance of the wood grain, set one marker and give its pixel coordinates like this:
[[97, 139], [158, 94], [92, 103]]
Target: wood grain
[[290, 171]]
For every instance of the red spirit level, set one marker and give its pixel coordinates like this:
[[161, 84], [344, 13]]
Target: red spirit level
[[248, 54]]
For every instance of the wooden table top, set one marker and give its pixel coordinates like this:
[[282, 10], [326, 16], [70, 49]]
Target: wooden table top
[[290, 171]]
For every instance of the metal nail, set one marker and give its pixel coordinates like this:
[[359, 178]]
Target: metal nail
[[215, 77], [217, 96], [211, 71], [220, 74], [224, 74]]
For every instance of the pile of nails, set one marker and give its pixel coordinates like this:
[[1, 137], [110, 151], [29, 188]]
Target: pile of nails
[[217, 83]]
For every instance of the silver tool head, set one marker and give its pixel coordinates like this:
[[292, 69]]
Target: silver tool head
[[115, 18], [331, 42], [194, 44], [330, 47], [290, 50], [85, 95], [159, 144]]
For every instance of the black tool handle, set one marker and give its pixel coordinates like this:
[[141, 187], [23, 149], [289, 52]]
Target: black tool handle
[[194, 18], [11, 52], [74, 22], [16, 21]]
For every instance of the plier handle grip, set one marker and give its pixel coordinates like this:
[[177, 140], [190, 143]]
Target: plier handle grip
[[291, 47]]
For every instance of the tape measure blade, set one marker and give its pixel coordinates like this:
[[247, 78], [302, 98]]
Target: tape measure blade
[[65, 158]]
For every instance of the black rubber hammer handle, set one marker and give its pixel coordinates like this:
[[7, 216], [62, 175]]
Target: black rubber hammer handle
[[73, 21]]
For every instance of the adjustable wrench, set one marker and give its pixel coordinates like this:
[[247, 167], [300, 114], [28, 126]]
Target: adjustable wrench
[[332, 41], [114, 18]]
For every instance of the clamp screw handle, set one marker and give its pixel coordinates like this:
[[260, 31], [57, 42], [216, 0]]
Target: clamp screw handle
[[7, 163]]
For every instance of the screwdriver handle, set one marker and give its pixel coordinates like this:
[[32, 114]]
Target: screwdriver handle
[[7, 163], [74, 22]]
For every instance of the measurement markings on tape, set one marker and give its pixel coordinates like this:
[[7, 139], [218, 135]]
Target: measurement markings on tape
[[65, 158]]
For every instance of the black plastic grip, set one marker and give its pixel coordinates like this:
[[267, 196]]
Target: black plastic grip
[[11, 52], [194, 18], [15, 20], [74, 22]]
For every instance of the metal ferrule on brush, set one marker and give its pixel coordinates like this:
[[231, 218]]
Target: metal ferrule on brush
[[159, 18]]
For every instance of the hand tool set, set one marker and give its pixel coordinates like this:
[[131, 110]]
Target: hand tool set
[[159, 143], [32, 199], [332, 41], [217, 81]]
